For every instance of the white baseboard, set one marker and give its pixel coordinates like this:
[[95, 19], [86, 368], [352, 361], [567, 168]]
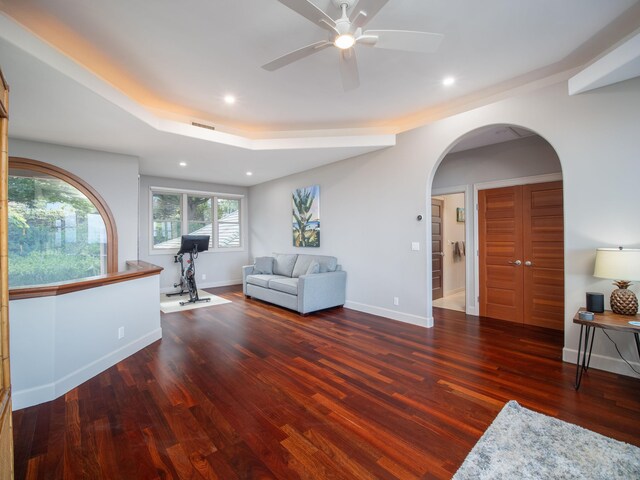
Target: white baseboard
[[601, 362], [51, 391], [392, 314], [222, 283]]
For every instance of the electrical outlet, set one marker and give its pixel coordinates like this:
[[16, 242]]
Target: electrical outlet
[[415, 246], [396, 301], [120, 333], [204, 276]]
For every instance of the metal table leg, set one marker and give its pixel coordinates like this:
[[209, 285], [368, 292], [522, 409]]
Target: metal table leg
[[583, 366], [578, 369], [593, 333]]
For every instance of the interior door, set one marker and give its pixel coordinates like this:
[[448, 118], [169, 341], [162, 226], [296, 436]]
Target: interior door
[[543, 254], [500, 253], [6, 437], [521, 254], [436, 248]]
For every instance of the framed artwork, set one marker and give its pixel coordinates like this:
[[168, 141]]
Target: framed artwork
[[460, 215], [306, 216]]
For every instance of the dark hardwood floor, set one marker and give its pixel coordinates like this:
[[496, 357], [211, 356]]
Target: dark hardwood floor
[[247, 390]]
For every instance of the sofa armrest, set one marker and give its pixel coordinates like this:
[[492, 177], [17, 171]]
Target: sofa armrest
[[246, 270], [321, 290]]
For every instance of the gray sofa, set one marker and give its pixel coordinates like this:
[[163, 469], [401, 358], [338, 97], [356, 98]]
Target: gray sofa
[[304, 283]]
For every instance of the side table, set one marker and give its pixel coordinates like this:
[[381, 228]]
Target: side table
[[607, 321]]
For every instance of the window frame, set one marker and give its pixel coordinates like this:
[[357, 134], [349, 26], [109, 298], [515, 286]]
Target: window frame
[[87, 190], [182, 210], [184, 221]]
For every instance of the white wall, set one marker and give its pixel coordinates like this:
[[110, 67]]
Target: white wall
[[369, 203], [524, 157], [221, 268], [113, 176], [453, 231], [59, 342], [368, 209]]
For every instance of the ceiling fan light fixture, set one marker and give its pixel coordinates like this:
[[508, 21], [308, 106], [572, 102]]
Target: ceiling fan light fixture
[[344, 41]]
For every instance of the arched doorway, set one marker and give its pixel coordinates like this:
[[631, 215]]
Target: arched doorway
[[509, 170]]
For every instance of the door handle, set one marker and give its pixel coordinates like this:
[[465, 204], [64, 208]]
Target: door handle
[[528, 263], [517, 263], [440, 253]]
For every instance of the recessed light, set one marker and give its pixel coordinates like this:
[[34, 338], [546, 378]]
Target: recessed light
[[249, 174], [183, 164], [229, 99], [448, 81]]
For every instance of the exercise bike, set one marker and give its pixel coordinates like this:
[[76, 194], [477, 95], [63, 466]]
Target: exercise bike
[[191, 244]]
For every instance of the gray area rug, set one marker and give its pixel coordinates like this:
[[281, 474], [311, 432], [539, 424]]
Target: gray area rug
[[521, 444]]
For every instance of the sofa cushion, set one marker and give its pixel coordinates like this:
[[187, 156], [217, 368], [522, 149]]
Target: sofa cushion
[[261, 280], [286, 285], [263, 265], [326, 263], [314, 267], [284, 263]]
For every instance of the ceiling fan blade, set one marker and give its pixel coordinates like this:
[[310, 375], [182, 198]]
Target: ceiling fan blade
[[359, 20], [422, 42], [296, 55], [312, 13], [367, 7], [349, 69]]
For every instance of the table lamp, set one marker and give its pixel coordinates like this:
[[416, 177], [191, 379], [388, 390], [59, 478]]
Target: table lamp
[[616, 264]]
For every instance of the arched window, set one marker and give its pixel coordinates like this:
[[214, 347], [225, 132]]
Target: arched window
[[59, 227]]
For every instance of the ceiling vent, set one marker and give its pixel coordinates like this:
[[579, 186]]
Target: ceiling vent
[[202, 125]]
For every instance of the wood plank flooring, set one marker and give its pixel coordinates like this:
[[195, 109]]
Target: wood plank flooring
[[247, 390]]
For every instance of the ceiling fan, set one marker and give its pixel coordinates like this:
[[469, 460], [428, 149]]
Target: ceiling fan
[[346, 32]]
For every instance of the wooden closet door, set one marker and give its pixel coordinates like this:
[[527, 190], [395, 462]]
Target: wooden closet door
[[500, 251], [437, 282], [543, 222]]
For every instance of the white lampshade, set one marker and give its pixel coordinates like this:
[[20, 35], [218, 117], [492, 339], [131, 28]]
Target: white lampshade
[[617, 264]]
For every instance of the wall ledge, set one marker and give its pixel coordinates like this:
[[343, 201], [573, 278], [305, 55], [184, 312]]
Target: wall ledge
[[135, 269]]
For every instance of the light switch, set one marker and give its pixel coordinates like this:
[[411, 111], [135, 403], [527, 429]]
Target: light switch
[[415, 246]]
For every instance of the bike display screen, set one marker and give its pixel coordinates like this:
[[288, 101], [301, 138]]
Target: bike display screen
[[194, 243]]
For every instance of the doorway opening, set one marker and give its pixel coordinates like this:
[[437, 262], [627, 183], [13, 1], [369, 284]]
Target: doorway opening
[[449, 251], [514, 248]]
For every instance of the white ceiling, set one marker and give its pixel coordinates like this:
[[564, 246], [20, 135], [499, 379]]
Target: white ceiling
[[150, 61]]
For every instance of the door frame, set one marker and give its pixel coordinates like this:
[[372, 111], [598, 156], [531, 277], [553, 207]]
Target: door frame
[[471, 306], [510, 182]]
